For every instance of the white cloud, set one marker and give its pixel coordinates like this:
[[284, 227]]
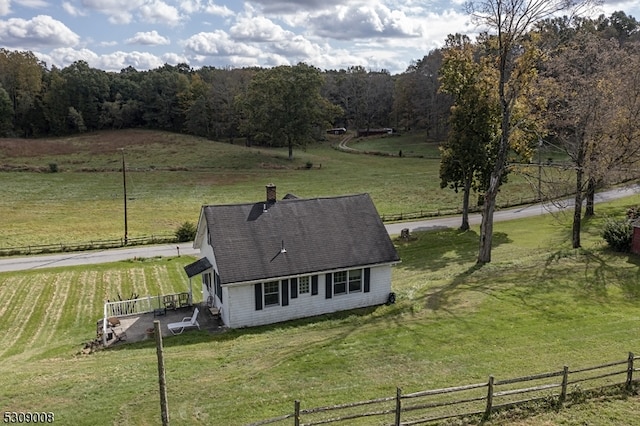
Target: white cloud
[[258, 28], [218, 43], [160, 12], [33, 4], [365, 21], [174, 59], [5, 7], [64, 56], [118, 11], [149, 38], [217, 10], [116, 61], [294, 6], [72, 10], [40, 31]]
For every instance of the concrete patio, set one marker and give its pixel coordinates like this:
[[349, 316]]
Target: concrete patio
[[137, 328]]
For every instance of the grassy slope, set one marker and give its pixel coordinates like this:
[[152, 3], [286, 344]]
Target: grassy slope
[[171, 176], [537, 307]]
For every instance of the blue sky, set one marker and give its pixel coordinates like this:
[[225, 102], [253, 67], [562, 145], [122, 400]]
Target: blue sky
[[329, 34]]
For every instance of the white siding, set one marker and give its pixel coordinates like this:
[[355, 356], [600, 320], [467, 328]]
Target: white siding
[[240, 309]]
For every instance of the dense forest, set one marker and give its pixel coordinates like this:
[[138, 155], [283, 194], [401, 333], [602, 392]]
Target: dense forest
[[38, 101]]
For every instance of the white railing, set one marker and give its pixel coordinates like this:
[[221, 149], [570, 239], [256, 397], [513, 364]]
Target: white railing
[[142, 305]]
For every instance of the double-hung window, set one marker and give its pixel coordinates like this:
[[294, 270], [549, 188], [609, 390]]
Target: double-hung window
[[272, 293], [355, 280], [345, 282], [340, 282]]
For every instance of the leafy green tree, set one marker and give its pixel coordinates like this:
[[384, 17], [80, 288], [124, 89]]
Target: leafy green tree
[[474, 122], [56, 103], [510, 21], [6, 113], [87, 88], [283, 106], [21, 76]]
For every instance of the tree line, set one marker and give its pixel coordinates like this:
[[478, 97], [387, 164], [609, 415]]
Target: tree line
[[38, 101]]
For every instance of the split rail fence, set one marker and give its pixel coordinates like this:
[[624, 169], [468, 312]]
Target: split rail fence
[[87, 245], [474, 401]]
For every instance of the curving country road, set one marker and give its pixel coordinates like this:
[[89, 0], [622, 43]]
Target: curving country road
[[168, 250]]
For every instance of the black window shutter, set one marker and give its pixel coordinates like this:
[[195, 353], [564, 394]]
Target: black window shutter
[[328, 284], [285, 292], [367, 280], [258, 294], [294, 288], [314, 285], [218, 287]]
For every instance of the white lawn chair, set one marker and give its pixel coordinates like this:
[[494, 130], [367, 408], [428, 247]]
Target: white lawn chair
[[187, 322]]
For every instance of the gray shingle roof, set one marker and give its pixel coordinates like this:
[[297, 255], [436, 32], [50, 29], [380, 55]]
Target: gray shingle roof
[[197, 267], [318, 234]]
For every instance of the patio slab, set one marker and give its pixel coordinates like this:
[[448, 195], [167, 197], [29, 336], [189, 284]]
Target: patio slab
[[136, 327]]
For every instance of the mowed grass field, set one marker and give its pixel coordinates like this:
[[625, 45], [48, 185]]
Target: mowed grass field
[[538, 306], [169, 177]]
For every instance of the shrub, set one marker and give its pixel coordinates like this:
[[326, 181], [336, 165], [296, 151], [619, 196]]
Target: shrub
[[186, 232], [53, 167], [618, 234]]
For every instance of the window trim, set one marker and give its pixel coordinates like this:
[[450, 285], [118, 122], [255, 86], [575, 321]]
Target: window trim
[[307, 285], [277, 292]]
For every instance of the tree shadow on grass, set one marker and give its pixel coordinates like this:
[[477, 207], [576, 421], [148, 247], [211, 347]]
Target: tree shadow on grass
[[598, 273], [438, 249]]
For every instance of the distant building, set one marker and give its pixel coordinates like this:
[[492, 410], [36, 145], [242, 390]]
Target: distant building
[[337, 131], [372, 132]]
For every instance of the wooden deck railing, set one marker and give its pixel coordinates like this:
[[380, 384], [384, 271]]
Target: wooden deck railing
[[138, 306]]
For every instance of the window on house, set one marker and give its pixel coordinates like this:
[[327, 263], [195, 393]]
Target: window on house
[[355, 280], [340, 282], [303, 285], [272, 293]]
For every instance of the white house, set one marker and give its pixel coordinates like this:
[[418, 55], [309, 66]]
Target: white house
[[274, 261]]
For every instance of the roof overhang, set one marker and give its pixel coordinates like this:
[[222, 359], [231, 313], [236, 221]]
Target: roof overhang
[[197, 267], [287, 277]]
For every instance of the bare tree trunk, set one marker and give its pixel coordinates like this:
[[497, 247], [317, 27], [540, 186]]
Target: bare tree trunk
[[486, 227], [577, 211], [465, 205], [590, 198]]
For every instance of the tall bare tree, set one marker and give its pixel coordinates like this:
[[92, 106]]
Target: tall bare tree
[[594, 107], [510, 20]]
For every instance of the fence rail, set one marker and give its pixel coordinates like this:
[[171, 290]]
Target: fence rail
[[473, 400], [88, 245]]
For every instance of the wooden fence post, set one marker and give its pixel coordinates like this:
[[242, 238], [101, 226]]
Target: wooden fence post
[[398, 406], [487, 411], [164, 407], [629, 371], [565, 382], [296, 413]]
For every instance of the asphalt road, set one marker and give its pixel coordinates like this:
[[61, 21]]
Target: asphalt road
[[114, 255]]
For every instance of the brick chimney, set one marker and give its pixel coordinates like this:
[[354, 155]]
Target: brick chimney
[[271, 193]]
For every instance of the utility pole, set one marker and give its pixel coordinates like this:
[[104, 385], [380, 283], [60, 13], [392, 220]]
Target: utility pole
[[124, 184]]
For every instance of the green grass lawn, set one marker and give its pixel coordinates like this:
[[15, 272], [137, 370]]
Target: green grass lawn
[[171, 176], [538, 306], [411, 145]]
